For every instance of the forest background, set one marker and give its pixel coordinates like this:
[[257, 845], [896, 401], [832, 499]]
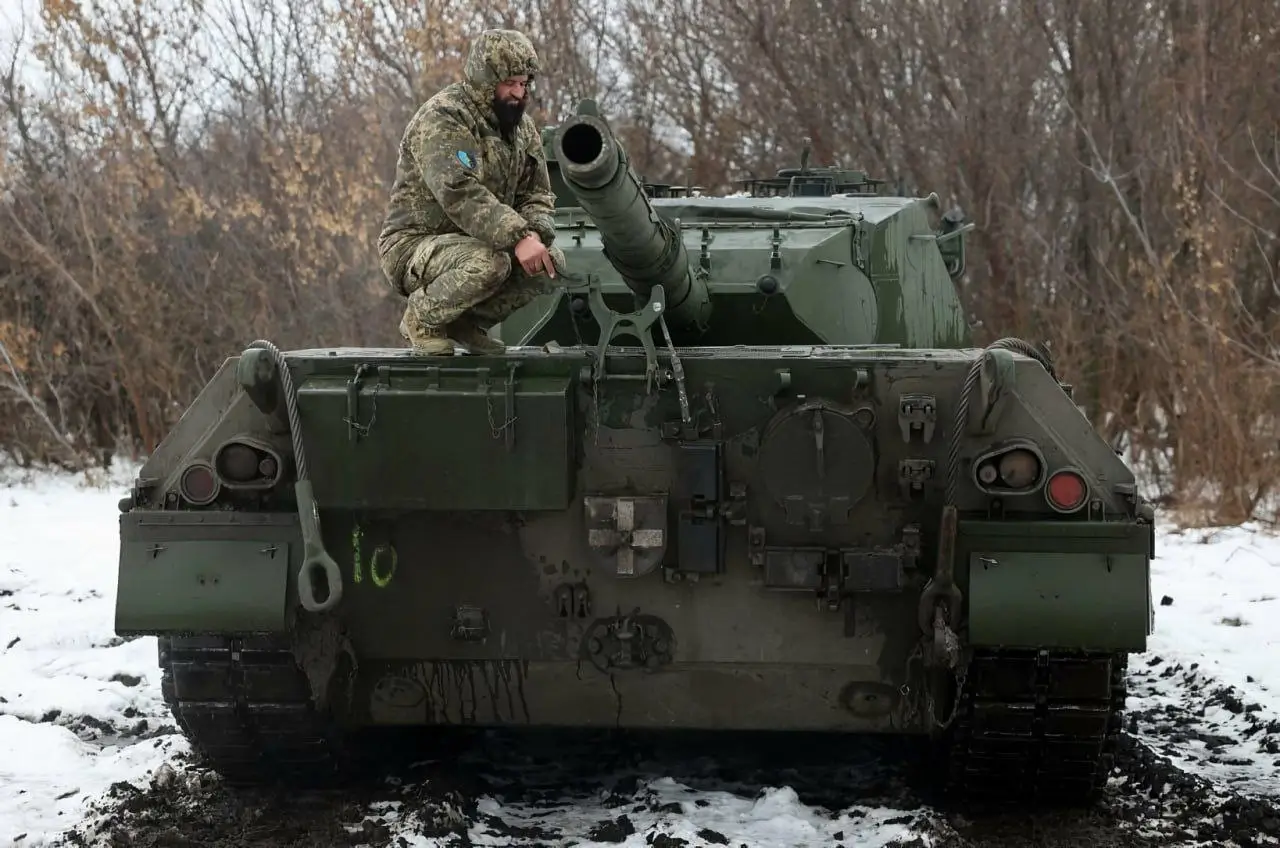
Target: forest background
[[180, 177]]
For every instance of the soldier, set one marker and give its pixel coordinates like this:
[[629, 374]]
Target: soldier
[[469, 229]]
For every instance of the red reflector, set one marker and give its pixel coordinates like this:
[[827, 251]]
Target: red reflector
[[1066, 490], [198, 485]]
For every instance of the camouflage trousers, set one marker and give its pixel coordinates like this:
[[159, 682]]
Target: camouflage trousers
[[454, 275]]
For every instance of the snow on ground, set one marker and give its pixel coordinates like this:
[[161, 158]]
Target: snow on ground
[[778, 819], [770, 817], [80, 709], [1215, 654]]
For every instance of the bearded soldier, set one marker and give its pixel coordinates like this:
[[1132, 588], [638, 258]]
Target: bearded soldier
[[469, 229]]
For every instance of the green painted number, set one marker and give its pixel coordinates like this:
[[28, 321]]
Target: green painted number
[[380, 578], [382, 565]]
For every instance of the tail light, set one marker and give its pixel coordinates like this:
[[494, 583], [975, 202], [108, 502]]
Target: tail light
[[247, 463], [1066, 490], [1011, 469], [198, 484]]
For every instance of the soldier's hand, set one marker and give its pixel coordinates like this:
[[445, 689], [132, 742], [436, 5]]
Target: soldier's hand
[[533, 256]]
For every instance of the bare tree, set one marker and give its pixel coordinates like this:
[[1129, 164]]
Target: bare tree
[[191, 175]]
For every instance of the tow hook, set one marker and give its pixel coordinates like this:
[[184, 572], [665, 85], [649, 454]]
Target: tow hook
[[318, 571]]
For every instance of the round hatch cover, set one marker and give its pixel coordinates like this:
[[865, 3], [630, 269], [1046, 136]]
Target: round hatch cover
[[816, 463]]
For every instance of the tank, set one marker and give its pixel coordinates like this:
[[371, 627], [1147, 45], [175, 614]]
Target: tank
[[743, 468]]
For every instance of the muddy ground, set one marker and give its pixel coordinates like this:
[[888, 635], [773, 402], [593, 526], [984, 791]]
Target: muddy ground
[[1199, 765], [560, 781]]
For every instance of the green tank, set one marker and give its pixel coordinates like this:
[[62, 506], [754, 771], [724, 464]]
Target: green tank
[[743, 469]]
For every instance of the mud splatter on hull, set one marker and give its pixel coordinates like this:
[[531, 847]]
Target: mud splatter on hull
[[452, 692]]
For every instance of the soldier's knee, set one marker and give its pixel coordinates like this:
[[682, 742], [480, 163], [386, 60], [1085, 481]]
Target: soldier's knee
[[487, 267]]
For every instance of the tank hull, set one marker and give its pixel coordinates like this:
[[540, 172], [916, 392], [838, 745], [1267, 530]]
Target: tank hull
[[481, 621], [759, 552]]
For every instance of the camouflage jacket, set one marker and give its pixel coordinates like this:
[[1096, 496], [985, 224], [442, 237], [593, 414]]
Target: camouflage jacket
[[456, 172]]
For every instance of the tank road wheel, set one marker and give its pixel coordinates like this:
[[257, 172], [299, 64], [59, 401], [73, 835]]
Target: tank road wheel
[[1036, 727], [246, 707]]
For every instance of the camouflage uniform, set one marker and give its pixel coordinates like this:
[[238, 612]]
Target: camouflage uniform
[[463, 196]]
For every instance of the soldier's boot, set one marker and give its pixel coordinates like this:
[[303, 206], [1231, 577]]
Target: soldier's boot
[[468, 333], [430, 341]]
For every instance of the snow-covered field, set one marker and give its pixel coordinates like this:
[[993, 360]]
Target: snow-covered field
[[78, 706], [80, 710], [1215, 654]]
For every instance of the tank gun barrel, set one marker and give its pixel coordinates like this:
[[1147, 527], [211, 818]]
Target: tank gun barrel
[[645, 248]]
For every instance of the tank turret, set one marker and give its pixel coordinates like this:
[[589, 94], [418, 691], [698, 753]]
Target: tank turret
[[815, 254]]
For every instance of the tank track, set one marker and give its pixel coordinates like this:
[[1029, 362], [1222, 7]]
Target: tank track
[[246, 707], [1036, 727]]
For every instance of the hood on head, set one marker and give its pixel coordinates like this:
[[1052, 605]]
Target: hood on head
[[497, 54]]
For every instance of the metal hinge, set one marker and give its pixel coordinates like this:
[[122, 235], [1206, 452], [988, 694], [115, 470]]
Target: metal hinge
[[917, 413]]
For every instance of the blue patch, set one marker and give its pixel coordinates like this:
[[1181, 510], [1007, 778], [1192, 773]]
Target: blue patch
[[465, 158]]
